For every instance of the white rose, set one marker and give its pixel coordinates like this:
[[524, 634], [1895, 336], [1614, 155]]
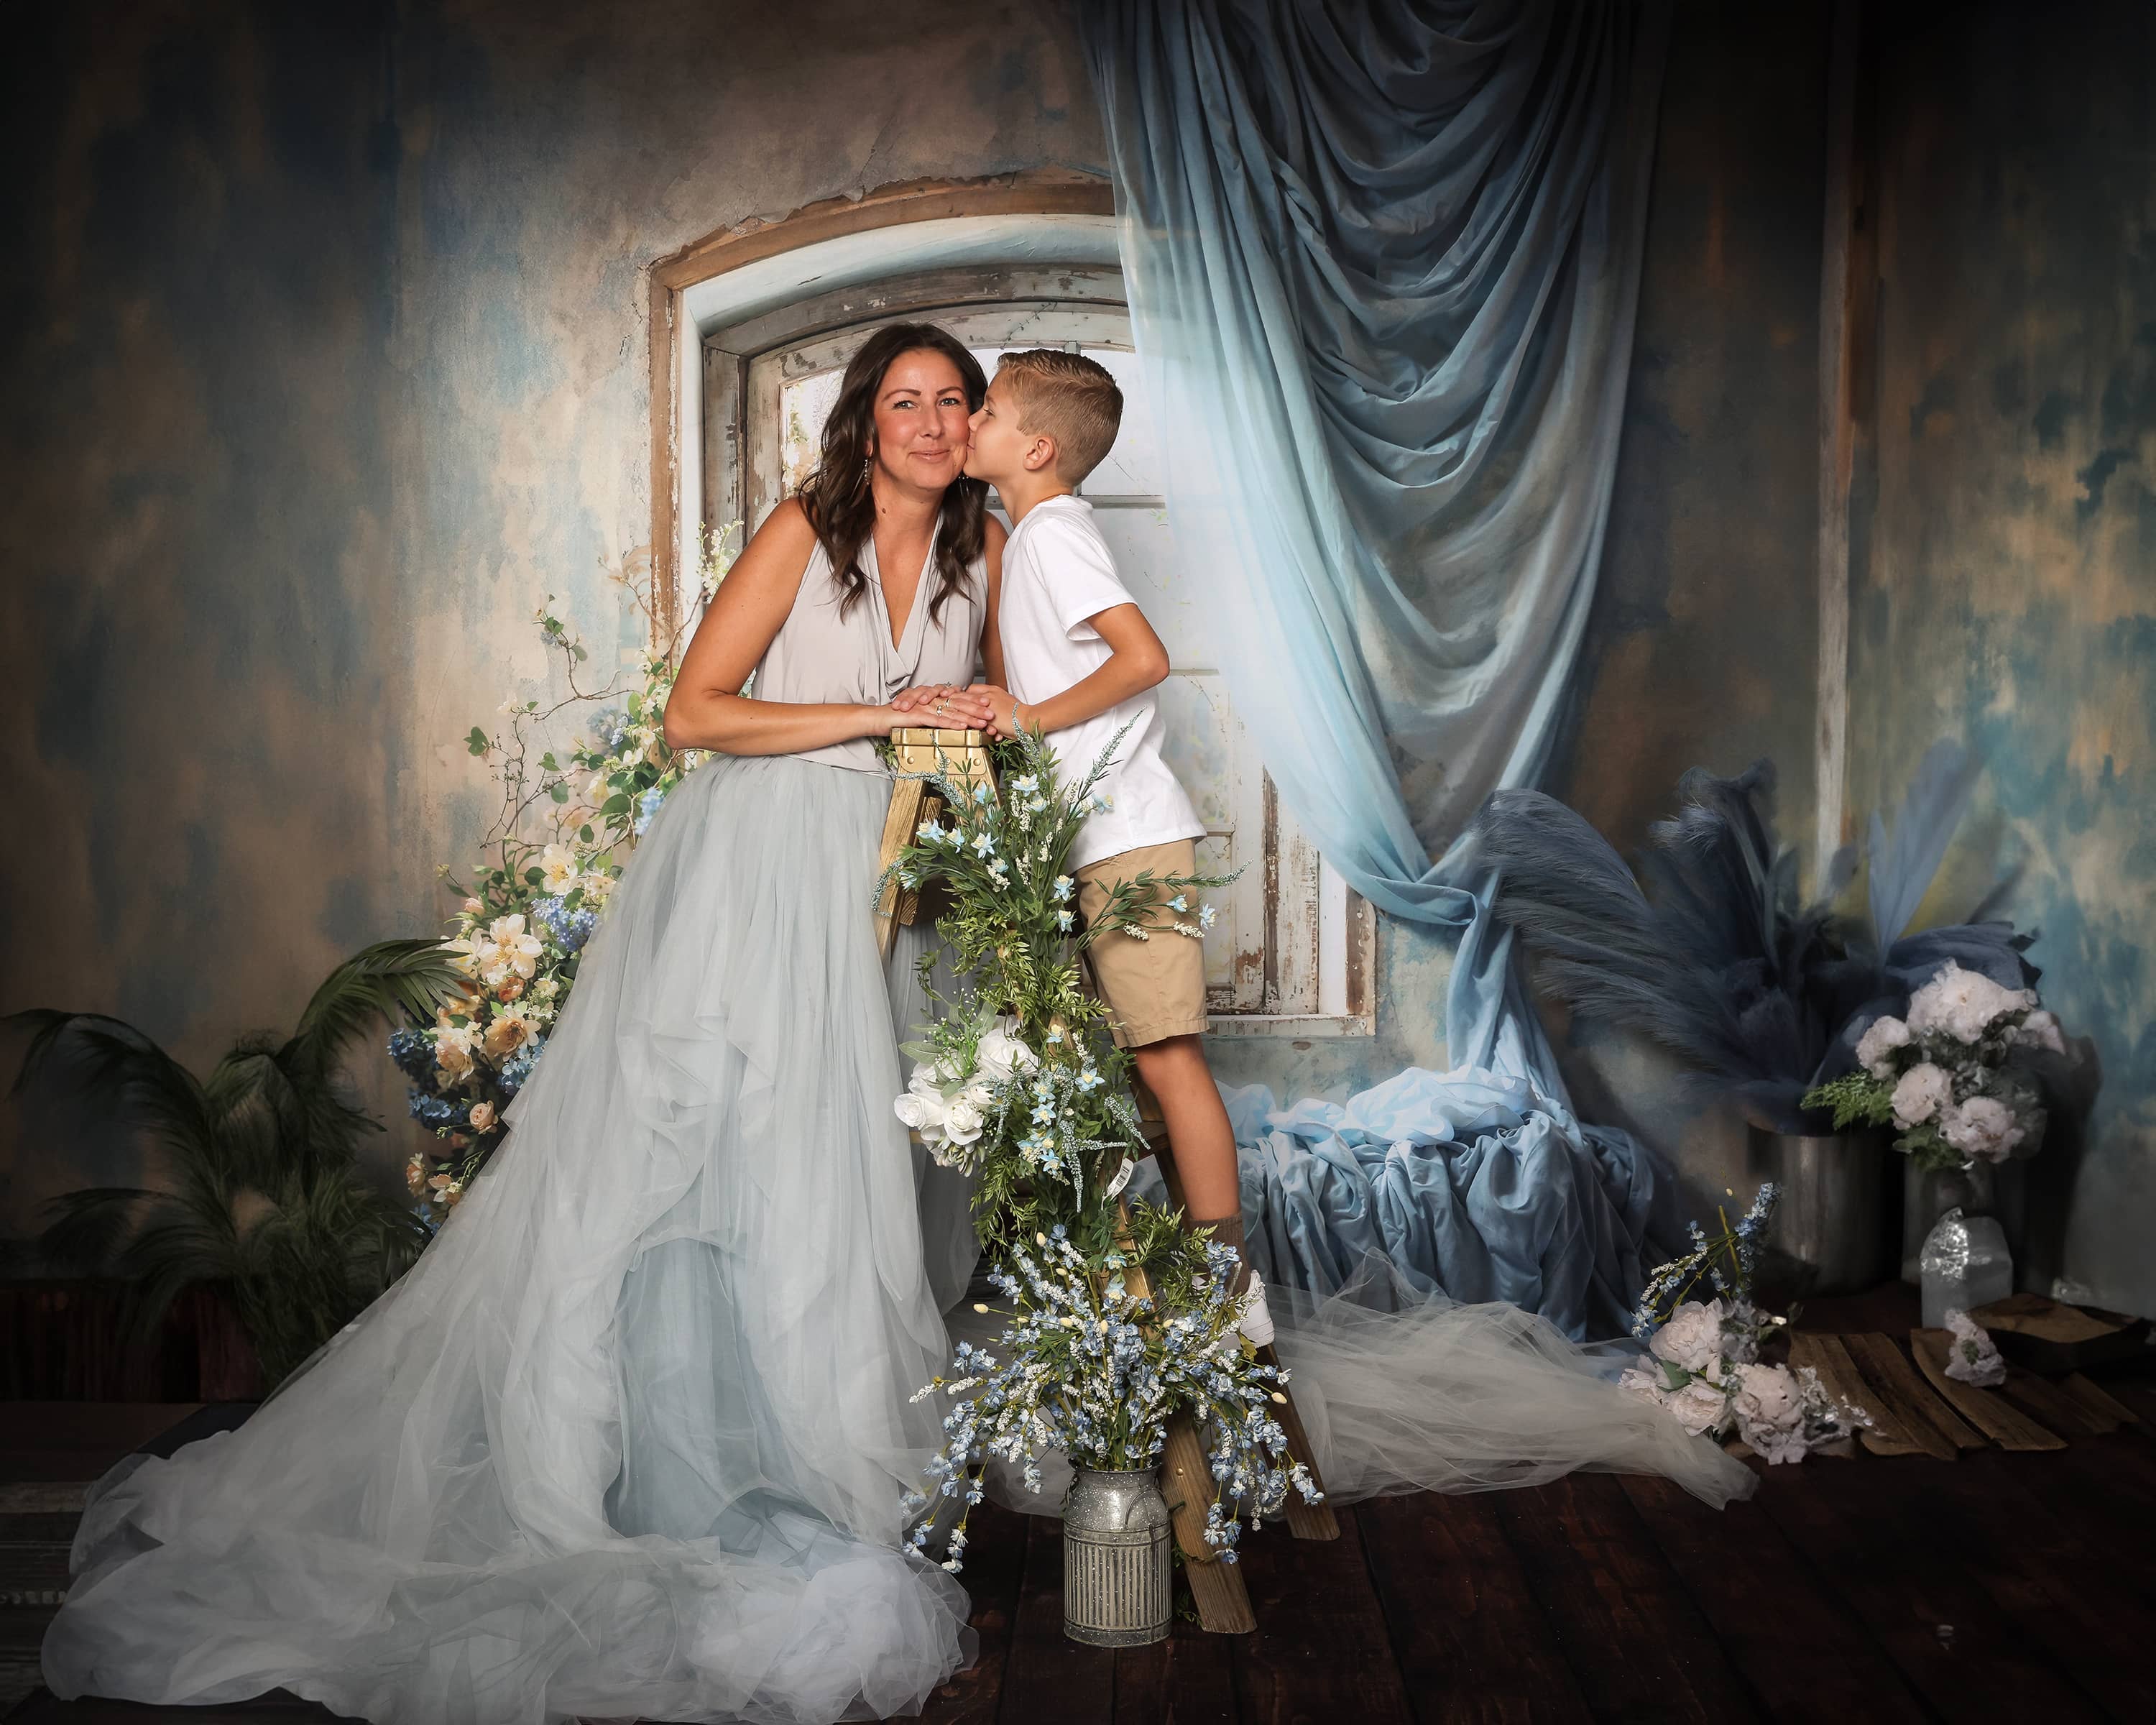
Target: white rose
[[1698, 1407], [1000, 1053], [1767, 1397], [1644, 1382], [1878, 1041], [1693, 1337], [2040, 1029], [961, 1121], [1963, 1003], [1974, 1358], [920, 1113], [1923, 1090], [1983, 1127]]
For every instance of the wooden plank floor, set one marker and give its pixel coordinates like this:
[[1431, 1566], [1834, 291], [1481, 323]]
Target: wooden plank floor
[[1995, 1586]]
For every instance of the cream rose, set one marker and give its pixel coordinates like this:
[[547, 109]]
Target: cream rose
[[1882, 1037], [1923, 1090], [1692, 1336]]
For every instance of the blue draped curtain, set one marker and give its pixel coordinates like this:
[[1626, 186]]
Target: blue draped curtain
[[1382, 258]]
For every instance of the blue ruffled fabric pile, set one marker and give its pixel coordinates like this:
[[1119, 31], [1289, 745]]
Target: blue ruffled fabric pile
[[1469, 1184]]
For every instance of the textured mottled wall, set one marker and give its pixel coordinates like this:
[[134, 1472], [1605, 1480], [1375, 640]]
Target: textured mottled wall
[[2008, 590], [321, 363], [1702, 646]]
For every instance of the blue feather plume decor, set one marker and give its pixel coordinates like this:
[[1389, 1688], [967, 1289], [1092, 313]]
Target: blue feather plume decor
[[1710, 950]]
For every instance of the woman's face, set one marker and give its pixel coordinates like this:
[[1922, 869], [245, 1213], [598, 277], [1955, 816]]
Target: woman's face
[[920, 420]]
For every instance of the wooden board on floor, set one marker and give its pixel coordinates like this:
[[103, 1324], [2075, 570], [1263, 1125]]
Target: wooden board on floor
[[2054, 1407], [1899, 1384], [1997, 1418], [1886, 1435], [993, 1578], [2093, 1399], [2047, 1334]]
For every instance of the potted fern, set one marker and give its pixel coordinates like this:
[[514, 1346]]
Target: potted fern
[[267, 1203]]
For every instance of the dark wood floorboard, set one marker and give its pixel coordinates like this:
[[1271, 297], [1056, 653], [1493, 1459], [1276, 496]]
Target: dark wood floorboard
[[994, 1572], [1321, 1653], [1639, 1646], [1048, 1676], [1874, 1530], [1473, 1645], [1762, 1599]]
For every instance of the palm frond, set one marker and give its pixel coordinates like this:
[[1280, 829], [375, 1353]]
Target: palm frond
[[1901, 866], [89, 1227], [86, 1063], [397, 980]]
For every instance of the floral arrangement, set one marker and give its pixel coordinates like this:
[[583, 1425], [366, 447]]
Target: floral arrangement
[[1119, 1319], [569, 819], [1017, 1082], [1704, 1366], [1946, 1076], [1093, 1364]]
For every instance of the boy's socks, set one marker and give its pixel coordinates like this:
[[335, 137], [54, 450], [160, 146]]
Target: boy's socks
[[1228, 1231]]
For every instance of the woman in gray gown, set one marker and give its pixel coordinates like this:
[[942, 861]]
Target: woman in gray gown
[[630, 1439]]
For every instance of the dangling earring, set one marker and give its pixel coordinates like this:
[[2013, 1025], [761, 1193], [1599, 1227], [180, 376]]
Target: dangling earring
[[868, 462]]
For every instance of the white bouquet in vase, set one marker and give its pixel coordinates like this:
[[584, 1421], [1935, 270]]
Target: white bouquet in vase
[[1951, 1077]]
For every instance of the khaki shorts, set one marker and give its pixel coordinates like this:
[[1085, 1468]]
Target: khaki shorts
[[1156, 987]]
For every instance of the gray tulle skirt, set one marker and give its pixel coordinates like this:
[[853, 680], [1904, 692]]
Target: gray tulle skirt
[[630, 1439]]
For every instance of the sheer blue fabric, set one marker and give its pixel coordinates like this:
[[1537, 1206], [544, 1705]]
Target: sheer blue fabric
[[1382, 266]]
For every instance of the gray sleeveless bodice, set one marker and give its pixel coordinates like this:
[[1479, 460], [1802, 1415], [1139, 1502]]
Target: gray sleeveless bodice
[[819, 655]]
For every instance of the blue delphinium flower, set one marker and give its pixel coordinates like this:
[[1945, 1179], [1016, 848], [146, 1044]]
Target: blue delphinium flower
[[569, 928], [608, 727], [517, 1070], [413, 1054], [647, 807]]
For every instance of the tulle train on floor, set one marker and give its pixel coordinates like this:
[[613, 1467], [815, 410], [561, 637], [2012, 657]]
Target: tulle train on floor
[[630, 1439]]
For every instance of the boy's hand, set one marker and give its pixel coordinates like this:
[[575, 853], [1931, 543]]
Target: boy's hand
[[1004, 708]]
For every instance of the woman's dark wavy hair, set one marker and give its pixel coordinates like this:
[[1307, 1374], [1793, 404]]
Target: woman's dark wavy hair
[[838, 498]]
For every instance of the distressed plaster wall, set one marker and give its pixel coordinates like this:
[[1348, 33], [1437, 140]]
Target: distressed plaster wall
[[1702, 646], [324, 353], [2005, 589]]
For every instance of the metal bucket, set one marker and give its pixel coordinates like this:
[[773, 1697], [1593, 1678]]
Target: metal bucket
[[1827, 1221], [1117, 1574]]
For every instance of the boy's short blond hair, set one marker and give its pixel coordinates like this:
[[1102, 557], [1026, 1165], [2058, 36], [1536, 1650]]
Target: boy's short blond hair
[[1068, 397]]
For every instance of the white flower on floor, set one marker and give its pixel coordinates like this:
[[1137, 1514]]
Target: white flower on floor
[[1964, 1003], [1973, 1356], [1700, 1407], [1880, 1040], [1693, 1337], [1922, 1092]]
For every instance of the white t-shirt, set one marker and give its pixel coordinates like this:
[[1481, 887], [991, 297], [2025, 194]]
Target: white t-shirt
[[1058, 573]]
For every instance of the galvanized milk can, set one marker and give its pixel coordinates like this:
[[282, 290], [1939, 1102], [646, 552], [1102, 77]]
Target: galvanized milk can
[[1117, 1586]]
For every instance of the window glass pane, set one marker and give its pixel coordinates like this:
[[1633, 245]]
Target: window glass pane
[[804, 403], [1132, 466]]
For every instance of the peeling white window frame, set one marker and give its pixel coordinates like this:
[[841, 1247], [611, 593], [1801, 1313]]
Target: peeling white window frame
[[1314, 975]]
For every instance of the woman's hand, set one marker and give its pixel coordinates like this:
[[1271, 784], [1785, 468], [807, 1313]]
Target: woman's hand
[[942, 706]]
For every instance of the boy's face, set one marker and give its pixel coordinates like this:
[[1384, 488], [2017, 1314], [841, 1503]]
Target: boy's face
[[999, 451]]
